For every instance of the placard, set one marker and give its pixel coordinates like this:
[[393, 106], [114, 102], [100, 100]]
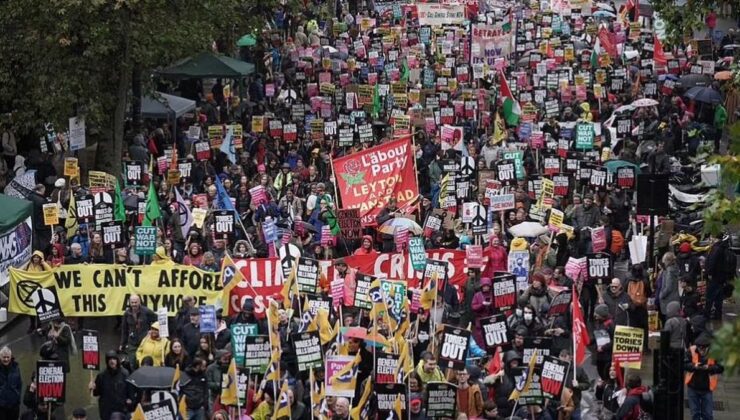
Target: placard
[[103, 206], [50, 381], [501, 202], [47, 304], [134, 174], [626, 177], [76, 133], [362, 300], [223, 223], [239, 334], [257, 353], [441, 400], [417, 253], [552, 378], [90, 350], [474, 256], [627, 348], [386, 396], [307, 275], [584, 136], [504, 291], [51, 214], [335, 364], [505, 172], [350, 223], [146, 240], [454, 347], [495, 331], [519, 267], [386, 367], [599, 267], [207, 319], [112, 233], [598, 239], [560, 303], [160, 410]]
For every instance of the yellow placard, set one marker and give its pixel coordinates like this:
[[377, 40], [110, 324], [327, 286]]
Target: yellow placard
[[103, 289], [258, 123], [199, 216], [70, 166], [556, 218], [627, 347], [98, 179], [51, 214]]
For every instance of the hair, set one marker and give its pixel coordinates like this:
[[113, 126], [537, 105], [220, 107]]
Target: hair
[[5, 351], [668, 258], [633, 381], [489, 405], [223, 414]]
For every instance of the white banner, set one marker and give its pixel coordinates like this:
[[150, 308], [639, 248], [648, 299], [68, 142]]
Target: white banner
[[15, 248], [490, 42], [440, 14]]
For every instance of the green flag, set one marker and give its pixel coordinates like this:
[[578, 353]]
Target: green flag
[[405, 72], [376, 102], [152, 206], [119, 211]]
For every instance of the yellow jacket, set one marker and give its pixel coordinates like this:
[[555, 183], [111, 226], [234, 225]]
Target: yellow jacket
[[156, 349]]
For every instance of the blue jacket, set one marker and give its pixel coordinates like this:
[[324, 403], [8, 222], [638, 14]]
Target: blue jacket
[[10, 385]]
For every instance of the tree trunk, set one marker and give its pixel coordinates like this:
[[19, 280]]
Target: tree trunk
[[136, 92], [110, 150]]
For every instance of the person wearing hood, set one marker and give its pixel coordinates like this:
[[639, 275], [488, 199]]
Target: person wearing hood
[[675, 325], [366, 247], [482, 306], [10, 385], [687, 262], [602, 334], [60, 333], [247, 316], [504, 381], [428, 370], [194, 389], [154, 346], [138, 150], [536, 294], [114, 394], [586, 112], [607, 389], [497, 257], [215, 372], [37, 263], [631, 407], [669, 285]]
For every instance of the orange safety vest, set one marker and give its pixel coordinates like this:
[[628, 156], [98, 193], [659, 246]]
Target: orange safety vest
[[695, 361]]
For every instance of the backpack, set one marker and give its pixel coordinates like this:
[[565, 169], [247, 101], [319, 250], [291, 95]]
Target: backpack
[[636, 292], [617, 242]]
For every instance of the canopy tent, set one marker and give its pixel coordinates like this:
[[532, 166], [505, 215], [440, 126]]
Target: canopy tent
[[208, 65], [15, 211], [164, 106]]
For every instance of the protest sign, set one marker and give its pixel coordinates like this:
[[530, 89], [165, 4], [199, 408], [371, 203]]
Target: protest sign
[[338, 386], [223, 224], [454, 347], [386, 395], [436, 267], [160, 410], [505, 172], [584, 136], [560, 303], [71, 168], [519, 267], [504, 291], [417, 253], [495, 331], [207, 318], [134, 174], [598, 239], [46, 303], [307, 275], [501, 202], [553, 376], [85, 211], [599, 267], [626, 177], [349, 223], [489, 42], [164, 328], [386, 367], [90, 350], [76, 133], [441, 400], [257, 353], [627, 348], [112, 233], [308, 350], [146, 240], [51, 214], [239, 334], [316, 302], [50, 381], [362, 300], [474, 256]]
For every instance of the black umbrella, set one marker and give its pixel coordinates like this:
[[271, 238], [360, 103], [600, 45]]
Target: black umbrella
[[704, 94], [150, 377], [691, 80]]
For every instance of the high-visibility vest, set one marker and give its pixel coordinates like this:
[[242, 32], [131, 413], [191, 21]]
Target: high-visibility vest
[[695, 361]]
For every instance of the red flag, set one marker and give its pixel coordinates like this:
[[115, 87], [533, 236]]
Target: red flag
[[580, 333], [618, 370], [606, 42], [658, 54], [494, 366]]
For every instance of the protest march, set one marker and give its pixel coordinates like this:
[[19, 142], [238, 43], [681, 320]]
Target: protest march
[[397, 209]]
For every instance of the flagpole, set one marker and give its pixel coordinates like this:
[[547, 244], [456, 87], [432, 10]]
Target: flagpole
[[573, 306]]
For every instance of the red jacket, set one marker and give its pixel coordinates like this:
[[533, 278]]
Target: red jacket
[[497, 260]]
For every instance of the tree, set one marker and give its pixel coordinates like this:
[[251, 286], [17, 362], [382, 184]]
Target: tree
[[681, 20], [65, 58]]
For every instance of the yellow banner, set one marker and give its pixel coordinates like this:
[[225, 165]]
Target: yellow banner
[[104, 289]]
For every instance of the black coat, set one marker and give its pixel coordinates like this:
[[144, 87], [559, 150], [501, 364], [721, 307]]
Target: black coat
[[135, 328], [194, 387], [111, 387], [190, 337]]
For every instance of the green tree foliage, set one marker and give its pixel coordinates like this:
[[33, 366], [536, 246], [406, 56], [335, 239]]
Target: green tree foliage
[[681, 21], [63, 58]]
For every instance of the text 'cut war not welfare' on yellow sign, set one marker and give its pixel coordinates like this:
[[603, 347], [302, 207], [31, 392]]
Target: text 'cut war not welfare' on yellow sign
[[104, 289]]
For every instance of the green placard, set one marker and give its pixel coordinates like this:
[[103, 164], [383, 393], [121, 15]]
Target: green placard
[[518, 158], [584, 136], [417, 253], [146, 240]]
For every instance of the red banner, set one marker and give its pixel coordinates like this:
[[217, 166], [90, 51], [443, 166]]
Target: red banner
[[263, 276], [366, 180]]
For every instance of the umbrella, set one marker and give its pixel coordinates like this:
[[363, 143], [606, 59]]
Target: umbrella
[[723, 75], [704, 94], [604, 14], [691, 80], [389, 227], [362, 334], [731, 46], [605, 6], [613, 165], [668, 76], [330, 49], [528, 229], [246, 41], [624, 108], [150, 377], [644, 102]]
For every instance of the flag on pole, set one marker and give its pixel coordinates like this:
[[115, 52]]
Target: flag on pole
[[580, 333], [494, 366], [499, 129], [228, 389], [376, 102], [182, 408], [176, 377], [138, 413], [362, 410], [152, 211], [119, 209], [522, 387], [658, 53], [224, 201], [183, 210], [71, 222], [595, 52], [282, 405], [511, 107], [230, 277], [227, 146], [428, 295]]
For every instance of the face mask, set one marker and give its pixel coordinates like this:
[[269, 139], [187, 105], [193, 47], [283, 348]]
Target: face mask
[[528, 317], [519, 312]]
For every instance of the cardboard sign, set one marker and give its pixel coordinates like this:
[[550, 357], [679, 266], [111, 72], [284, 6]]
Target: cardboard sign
[[626, 177], [308, 350], [307, 275], [335, 364], [202, 150], [350, 223], [239, 334], [584, 136], [134, 171], [553, 376], [417, 253], [50, 381], [474, 256], [257, 353], [627, 348], [362, 300], [146, 240], [386, 366], [598, 178], [598, 239], [504, 291], [454, 347], [599, 267], [51, 214], [103, 206], [90, 350], [85, 211], [208, 320], [560, 303], [441, 400], [502, 202], [112, 234], [223, 223], [495, 331], [505, 172], [70, 167]]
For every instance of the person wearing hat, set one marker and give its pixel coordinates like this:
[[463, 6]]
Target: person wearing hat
[[283, 180], [190, 335], [60, 333], [79, 414], [346, 275], [602, 334], [618, 301], [701, 377], [215, 373], [687, 262], [153, 346], [10, 385], [114, 394]]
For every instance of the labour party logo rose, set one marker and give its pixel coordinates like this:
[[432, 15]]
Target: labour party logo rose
[[352, 174]]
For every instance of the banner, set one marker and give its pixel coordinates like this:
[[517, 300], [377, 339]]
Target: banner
[[308, 350], [441, 400], [90, 350], [552, 378], [15, 248], [627, 348], [257, 353], [439, 14], [104, 289], [367, 179], [489, 42], [495, 331], [454, 348], [50, 381]]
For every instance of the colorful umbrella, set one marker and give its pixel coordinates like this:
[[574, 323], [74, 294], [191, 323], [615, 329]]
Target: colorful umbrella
[[246, 41], [644, 102], [723, 75], [389, 227]]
